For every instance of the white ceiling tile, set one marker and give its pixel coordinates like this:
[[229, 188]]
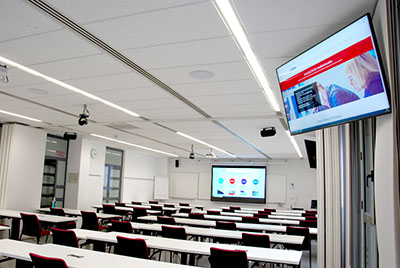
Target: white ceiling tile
[[229, 100], [239, 110], [192, 22], [19, 78]]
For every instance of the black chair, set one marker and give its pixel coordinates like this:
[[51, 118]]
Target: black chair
[[109, 209], [132, 247], [138, 212], [226, 226], [156, 207], [61, 212], [228, 210], [121, 226], [270, 209], [120, 204], [213, 212], [261, 215], [311, 212], [91, 222], [308, 223], [197, 216], [169, 205], [235, 208], [39, 261], [250, 220], [184, 204], [31, 227], [166, 220], [264, 212], [297, 208], [153, 202], [256, 240], [228, 258], [185, 210], [175, 233], [64, 237], [301, 231], [136, 203]]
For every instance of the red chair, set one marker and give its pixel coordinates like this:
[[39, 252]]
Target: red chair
[[228, 258], [307, 223], [264, 212], [31, 227], [64, 237], [308, 214], [250, 220], [109, 209], [169, 205], [166, 220], [197, 216], [120, 204], [298, 209], [156, 207], [234, 208], [61, 212], [185, 210], [132, 247], [47, 262], [184, 204], [256, 240], [311, 211], [175, 233], [136, 203], [138, 212], [224, 225], [228, 210], [301, 231], [91, 222], [213, 212], [263, 216], [270, 209], [121, 226], [311, 218], [153, 202]]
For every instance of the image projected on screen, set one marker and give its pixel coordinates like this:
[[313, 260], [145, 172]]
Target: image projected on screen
[[238, 184]]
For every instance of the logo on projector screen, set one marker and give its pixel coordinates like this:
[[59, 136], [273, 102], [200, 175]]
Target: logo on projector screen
[[220, 180], [255, 181], [232, 180], [244, 181]]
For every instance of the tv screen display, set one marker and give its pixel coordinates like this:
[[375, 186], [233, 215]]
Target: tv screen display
[[238, 184], [337, 81]]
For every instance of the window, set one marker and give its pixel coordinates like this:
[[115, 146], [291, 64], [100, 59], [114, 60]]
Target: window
[[112, 175]]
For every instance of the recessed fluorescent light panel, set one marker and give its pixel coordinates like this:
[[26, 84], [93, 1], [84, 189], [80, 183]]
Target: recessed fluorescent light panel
[[204, 143], [134, 145], [293, 141], [21, 116], [234, 25], [66, 86]]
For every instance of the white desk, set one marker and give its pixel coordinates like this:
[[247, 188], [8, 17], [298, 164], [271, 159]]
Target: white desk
[[130, 208], [77, 213], [217, 233], [20, 250], [15, 217], [290, 257], [258, 209], [239, 225], [239, 219], [274, 215], [286, 217]]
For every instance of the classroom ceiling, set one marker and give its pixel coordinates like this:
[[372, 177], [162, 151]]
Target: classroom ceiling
[[169, 39]]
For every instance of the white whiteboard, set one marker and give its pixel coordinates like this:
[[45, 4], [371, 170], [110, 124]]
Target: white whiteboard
[[183, 185], [161, 188], [276, 188], [204, 186]]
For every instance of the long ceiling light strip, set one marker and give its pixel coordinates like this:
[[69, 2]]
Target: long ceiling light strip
[[232, 22], [67, 86], [21, 116], [134, 145], [293, 141], [204, 143]]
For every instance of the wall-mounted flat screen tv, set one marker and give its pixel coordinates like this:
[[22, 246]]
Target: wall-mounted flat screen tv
[[238, 184], [337, 81]]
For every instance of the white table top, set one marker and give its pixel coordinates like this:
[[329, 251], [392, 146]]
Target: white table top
[[3, 228], [239, 219], [257, 209], [207, 232], [239, 225], [77, 213], [20, 250], [291, 257], [131, 207], [280, 215], [42, 217]]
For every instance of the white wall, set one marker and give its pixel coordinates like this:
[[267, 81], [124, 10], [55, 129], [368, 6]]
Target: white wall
[[297, 172], [25, 170]]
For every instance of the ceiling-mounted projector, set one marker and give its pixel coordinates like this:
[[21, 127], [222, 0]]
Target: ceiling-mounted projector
[[4, 73], [268, 132]]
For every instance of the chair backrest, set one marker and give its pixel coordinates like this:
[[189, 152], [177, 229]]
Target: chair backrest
[[136, 203], [228, 258], [185, 210], [57, 211], [270, 209], [259, 215], [303, 231], [225, 225], [173, 232], [30, 224], [153, 202], [308, 223], [132, 247], [250, 220], [228, 210], [121, 226], [256, 240], [311, 211], [47, 262], [169, 205], [184, 204], [264, 212], [89, 221], [308, 214], [64, 237], [138, 212], [313, 203], [213, 212], [120, 204], [297, 208], [166, 220], [234, 208], [156, 207], [198, 216], [308, 218], [108, 209]]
